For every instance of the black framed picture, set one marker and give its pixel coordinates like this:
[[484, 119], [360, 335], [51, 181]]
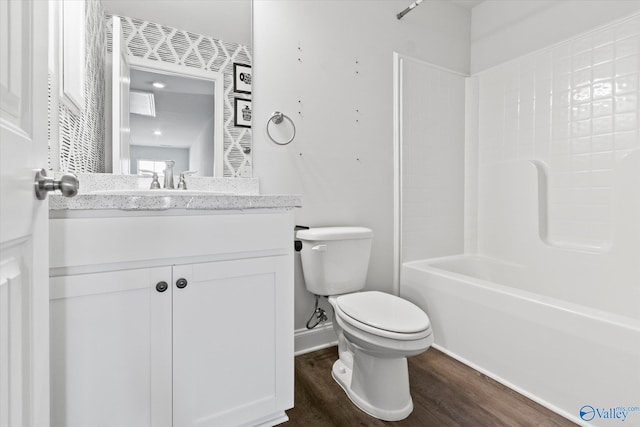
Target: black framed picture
[[242, 113], [242, 78]]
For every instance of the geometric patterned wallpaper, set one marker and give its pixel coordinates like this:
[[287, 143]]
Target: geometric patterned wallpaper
[[157, 42], [80, 141]]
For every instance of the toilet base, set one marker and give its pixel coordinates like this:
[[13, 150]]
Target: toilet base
[[379, 387]]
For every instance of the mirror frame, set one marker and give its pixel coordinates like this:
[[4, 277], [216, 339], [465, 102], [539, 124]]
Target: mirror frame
[[218, 106]]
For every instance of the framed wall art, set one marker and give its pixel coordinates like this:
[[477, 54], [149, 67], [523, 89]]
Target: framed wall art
[[242, 113], [242, 78]]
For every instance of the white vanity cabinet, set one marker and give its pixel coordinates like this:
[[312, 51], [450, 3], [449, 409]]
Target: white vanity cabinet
[[111, 349], [214, 347]]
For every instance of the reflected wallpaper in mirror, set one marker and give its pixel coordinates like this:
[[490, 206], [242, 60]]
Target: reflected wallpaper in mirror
[[72, 149]]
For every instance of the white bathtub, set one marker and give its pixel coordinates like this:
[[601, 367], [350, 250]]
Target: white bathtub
[[576, 360]]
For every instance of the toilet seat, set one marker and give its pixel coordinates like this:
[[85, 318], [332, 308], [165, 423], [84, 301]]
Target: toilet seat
[[384, 315]]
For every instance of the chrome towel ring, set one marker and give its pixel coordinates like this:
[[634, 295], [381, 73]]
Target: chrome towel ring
[[277, 117]]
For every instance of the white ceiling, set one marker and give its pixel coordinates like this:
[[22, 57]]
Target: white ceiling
[[228, 20], [467, 3]]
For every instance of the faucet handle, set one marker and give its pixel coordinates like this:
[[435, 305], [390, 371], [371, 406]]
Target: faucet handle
[[155, 184], [182, 184]]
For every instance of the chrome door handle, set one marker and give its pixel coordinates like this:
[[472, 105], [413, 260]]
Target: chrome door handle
[[68, 184]]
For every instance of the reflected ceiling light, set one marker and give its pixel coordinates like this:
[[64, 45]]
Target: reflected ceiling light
[[157, 132], [159, 85]]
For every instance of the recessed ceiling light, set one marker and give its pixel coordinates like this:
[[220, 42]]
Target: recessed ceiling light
[[157, 132], [159, 85]]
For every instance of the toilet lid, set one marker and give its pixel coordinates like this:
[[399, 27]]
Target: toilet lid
[[384, 311]]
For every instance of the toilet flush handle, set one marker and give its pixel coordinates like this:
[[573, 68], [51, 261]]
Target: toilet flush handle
[[319, 248]]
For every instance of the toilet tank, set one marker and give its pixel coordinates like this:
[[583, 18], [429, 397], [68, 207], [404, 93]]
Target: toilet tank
[[335, 259]]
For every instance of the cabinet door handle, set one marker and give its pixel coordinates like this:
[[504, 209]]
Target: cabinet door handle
[[181, 283], [162, 286]]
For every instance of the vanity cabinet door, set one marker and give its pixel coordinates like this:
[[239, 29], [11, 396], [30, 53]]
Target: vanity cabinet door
[[111, 349], [232, 342]]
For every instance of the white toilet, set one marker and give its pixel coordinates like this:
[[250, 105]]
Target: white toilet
[[376, 331]]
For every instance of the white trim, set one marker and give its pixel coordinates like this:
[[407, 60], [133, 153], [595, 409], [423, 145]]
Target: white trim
[[470, 208], [398, 60], [216, 77], [308, 340], [171, 68], [430, 64], [54, 81], [119, 120], [397, 170]]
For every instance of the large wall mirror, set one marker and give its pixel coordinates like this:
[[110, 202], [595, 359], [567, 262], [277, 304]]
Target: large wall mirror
[[191, 110], [176, 116], [191, 47]]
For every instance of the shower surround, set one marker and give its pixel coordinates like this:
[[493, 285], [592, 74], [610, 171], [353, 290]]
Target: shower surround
[[547, 300], [574, 107]]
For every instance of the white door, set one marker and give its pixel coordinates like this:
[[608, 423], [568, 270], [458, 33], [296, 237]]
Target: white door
[[24, 254]]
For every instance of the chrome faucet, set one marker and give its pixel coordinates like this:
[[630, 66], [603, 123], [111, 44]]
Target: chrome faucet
[[168, 174], [155, 185], [182, 184]]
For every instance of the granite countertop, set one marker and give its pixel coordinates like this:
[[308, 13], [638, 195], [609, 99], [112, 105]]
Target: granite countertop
[[147, 202], [131, 193]]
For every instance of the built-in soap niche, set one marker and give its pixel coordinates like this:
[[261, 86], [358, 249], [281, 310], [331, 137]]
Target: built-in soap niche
[[513, 212]]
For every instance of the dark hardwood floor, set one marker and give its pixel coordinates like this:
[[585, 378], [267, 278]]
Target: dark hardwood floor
[[445, 392]]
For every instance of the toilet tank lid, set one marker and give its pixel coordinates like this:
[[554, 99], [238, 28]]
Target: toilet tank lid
[[334, 233]]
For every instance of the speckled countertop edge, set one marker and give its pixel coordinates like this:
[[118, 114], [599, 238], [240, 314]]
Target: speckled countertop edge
[[163, 202], [242, 193]]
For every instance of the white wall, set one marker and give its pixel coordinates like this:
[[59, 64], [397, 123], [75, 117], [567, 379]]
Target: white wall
[[329, 66], [503, 30]]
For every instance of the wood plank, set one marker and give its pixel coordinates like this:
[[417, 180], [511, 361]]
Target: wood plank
[[445, 392]]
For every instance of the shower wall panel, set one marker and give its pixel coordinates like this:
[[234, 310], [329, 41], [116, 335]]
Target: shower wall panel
[[575, 107], [432, 111]]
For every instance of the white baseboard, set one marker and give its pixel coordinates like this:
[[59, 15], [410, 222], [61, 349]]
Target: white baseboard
[[308, 340]]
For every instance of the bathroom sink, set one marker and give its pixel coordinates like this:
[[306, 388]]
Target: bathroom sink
[[159, 192]]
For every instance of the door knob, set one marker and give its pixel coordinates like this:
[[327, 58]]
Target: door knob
[[181, 283], [68, 184]]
